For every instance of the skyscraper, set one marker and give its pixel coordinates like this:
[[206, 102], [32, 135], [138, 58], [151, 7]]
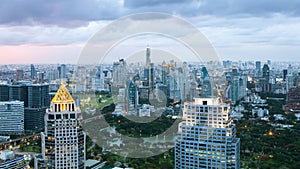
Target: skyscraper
[[32, 72], [99, 84], [285, 72], [207, 137], [4, 92], [258, 68], [20, 75], [119, 73], [148, 59], [36, 101], [132, 97], [12, 117], [237, 83], [63, 71], [63, 142], [266, 72]]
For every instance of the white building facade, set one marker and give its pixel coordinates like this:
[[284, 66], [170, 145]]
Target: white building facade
[[63, 142], [207, 137], [12, 117]]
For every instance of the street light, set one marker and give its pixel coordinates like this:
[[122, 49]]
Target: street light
[[270, 133]]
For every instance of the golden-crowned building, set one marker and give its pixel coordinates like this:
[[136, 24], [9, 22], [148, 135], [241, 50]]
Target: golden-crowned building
[[63, 142]]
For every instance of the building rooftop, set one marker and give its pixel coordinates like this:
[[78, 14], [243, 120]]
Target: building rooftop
[[89, 163], [207, 101], [62, 95]]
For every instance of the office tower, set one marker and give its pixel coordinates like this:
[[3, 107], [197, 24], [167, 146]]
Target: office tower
[[36, 101], [206, 84], [290, 69], [20, 75], [32, 72], [206, 88], [41, 76], [63, 142], [59, 71], [227, 64], [63, 71], [237, 84], [99, 84], [148, 59], [266, 72], [149, 70], [52, 75], [293, 100], [12, 118], [81, 79], [151, 76], [207, 137], [4, 92], [258, 68], [132, 97], [285, 72], [204, 72], [164, 72], [119, 73]]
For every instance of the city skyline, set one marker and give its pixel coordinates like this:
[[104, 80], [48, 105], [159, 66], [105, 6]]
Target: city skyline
[[42, 32], [149, 84]]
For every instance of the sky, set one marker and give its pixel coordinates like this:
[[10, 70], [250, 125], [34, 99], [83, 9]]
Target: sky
[[43, 31]]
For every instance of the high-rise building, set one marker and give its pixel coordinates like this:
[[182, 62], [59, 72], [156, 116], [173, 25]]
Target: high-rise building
[[98, 81], [37, 98], [132, 97], [164, 72], [20, 75], [40, 76], [63, 142], [12, 117], [206, 84], [151, 76], [63, 71], [258, 68], [207, 137], [36, 101], [119, 73], [149, 70], [237, 84], [285, 72], [59, 71], [148, 59], [266, 72], [293, 100], [4, 92], [32, 72]]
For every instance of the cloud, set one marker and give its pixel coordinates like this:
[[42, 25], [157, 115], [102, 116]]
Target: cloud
[[218, 7], [232, 26], [138, 3], [53, 35], [77, 13], [57, 12]]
